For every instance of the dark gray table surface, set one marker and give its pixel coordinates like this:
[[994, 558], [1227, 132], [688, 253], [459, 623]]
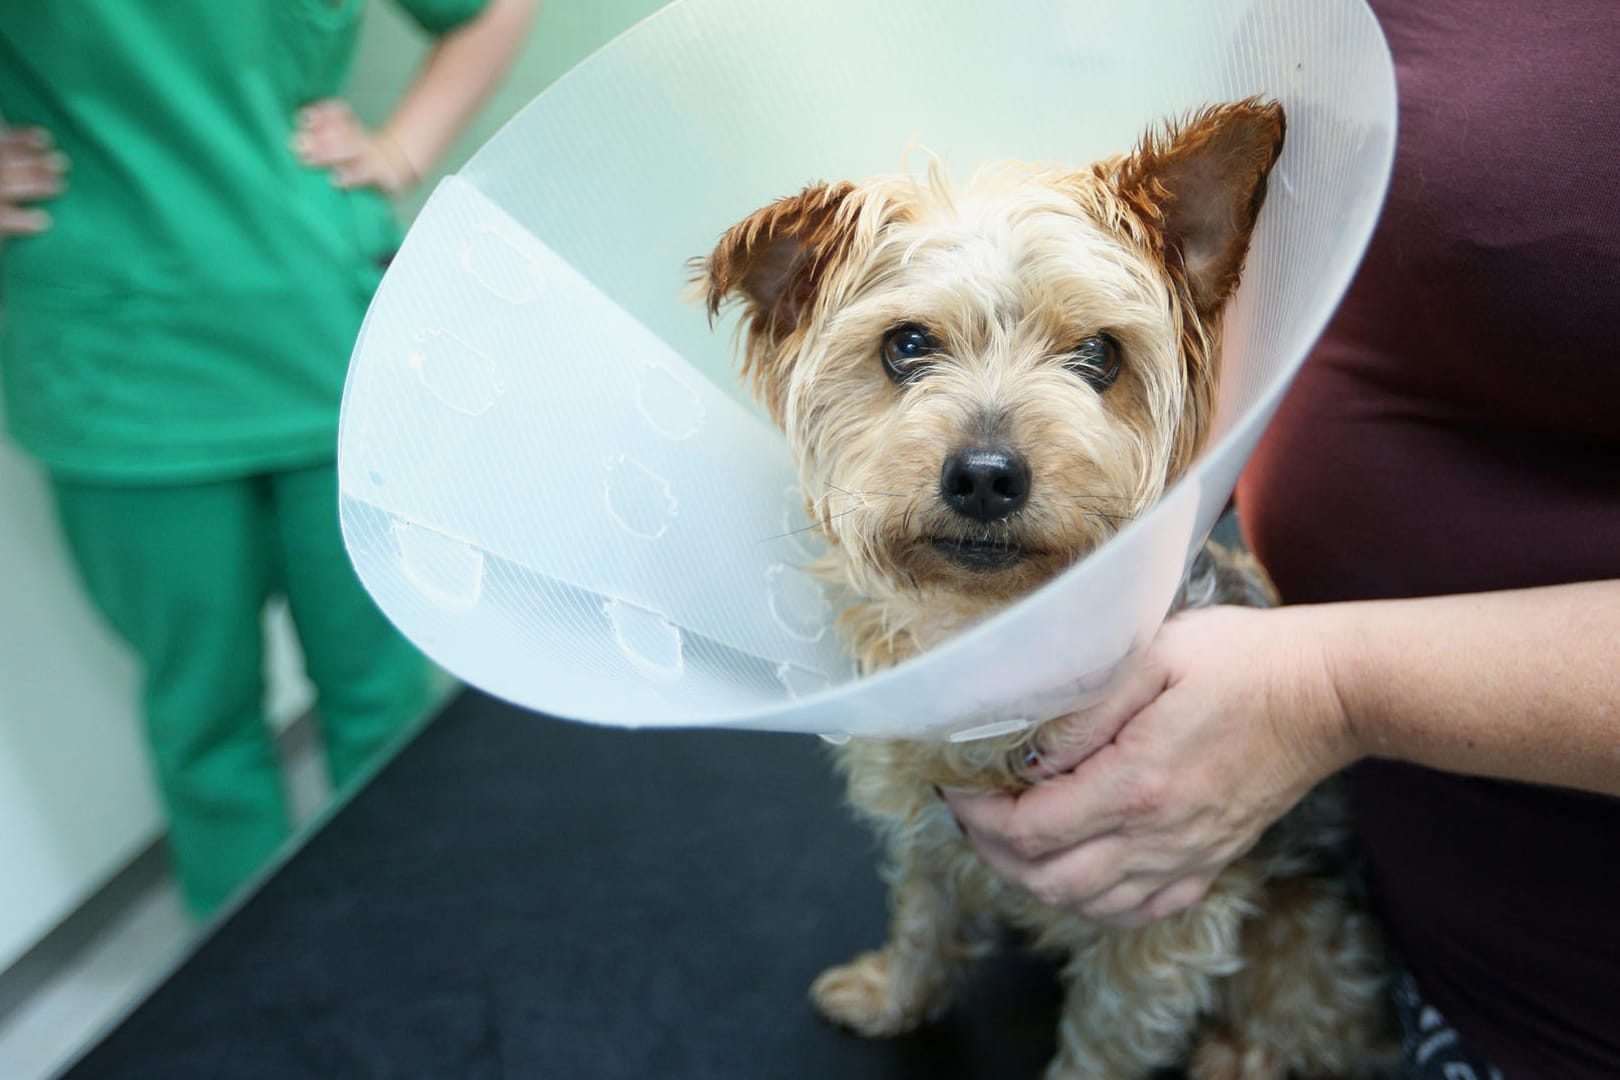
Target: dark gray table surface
[[514, 896]]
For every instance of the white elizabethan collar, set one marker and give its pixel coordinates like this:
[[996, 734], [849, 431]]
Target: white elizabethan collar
[[549, 479]]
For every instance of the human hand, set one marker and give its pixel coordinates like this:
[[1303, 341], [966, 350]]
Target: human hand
[[1227, 721], [31, 169], [330, 136]]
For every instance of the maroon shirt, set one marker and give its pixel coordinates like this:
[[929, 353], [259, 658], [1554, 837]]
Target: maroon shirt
[[1458, 430]]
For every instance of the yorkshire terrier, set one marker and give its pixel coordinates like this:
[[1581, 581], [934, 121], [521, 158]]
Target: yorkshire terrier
[[979, 386]]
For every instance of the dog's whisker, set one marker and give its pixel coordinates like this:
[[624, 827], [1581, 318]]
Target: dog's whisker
[[811, 527], [869, 494], [1102, 498]]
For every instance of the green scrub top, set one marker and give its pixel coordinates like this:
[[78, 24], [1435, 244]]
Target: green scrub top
[[190, 313]]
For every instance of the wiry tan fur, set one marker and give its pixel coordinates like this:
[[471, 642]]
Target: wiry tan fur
[[1273, 972]]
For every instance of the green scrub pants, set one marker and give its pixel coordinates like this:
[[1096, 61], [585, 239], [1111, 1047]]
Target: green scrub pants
[[183, 573]]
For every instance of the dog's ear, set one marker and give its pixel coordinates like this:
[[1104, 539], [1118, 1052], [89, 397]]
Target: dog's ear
[[775, 257], [775, 260], [1200, 183]]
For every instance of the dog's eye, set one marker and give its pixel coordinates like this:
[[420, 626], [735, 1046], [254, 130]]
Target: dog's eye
[[906, 350], [1096, 360]]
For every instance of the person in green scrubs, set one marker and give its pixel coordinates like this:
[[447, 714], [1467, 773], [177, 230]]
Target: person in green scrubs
[[192, 223]]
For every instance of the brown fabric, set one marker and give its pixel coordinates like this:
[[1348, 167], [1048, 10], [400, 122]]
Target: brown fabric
[[1458, 429]]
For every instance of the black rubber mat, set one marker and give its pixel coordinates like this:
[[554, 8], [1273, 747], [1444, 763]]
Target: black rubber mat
[[519, 897]]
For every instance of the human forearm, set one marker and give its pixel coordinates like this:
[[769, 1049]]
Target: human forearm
[[1523, 685], [459, 73], [1232, 714]]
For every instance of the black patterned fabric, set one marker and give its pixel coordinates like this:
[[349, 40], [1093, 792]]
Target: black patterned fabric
[[1431, 1048]]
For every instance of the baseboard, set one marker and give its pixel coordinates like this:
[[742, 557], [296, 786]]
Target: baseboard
[[148, 870], [128, 885]]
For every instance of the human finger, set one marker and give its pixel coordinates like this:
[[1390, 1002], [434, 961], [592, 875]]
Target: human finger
[[1083, 875], [329, 146], [1169, 899], [1178, 896], [28, 175], [362, 171], [1070, 809], [26, 138], [1119, 904], [22, 221], [1111, 878], [329, 133], [1017, 847], [1066, 879], [1063, 743], [325, 112]]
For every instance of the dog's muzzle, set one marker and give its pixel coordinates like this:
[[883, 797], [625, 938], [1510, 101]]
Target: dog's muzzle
[[982, 486]]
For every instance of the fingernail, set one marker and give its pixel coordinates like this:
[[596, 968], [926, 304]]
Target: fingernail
[[1031, 766]]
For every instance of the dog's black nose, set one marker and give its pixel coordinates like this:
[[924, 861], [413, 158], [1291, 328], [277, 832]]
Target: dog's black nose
[[985, 484]]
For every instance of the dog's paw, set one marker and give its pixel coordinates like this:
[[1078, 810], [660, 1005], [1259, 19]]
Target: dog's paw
[[862, 996], [1221, 1056]]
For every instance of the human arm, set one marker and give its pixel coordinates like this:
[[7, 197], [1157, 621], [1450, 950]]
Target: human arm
[[461, 70], [1233, 714]]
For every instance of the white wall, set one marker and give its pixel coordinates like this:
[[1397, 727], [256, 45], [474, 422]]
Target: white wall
[[75, 803], [76, 799]]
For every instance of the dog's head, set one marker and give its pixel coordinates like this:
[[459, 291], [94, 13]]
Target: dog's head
[[980, 385]]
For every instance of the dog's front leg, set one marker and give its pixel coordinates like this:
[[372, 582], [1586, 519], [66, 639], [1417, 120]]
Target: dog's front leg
[[932, 941]]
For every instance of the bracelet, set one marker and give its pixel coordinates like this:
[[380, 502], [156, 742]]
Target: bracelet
[[389, 145]]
